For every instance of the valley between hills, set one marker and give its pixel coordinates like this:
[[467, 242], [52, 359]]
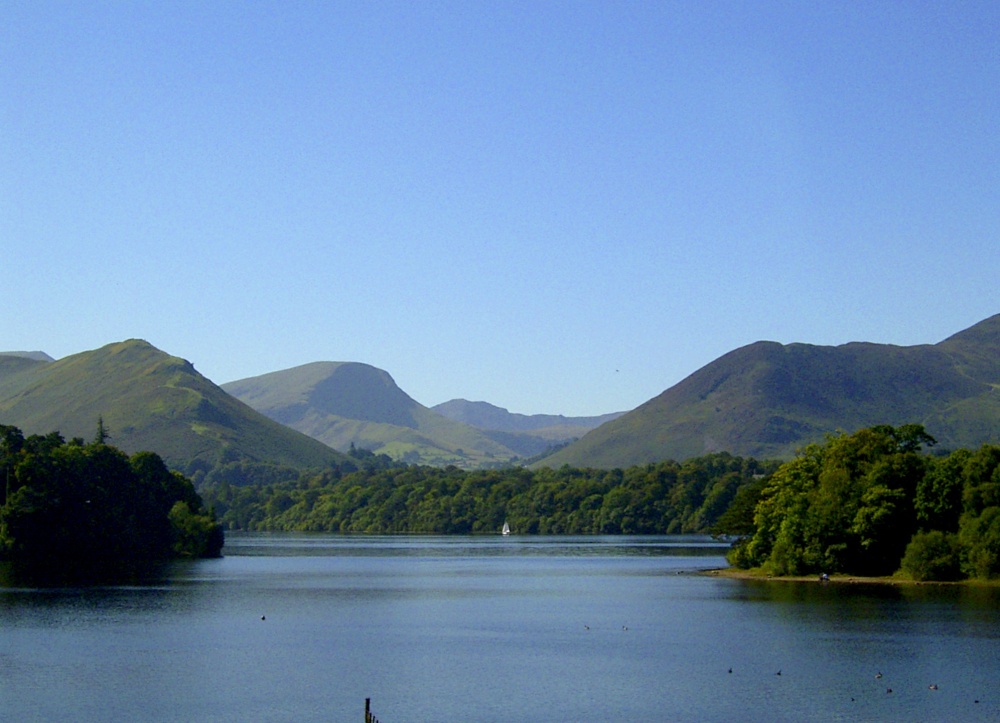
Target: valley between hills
[[764, 400]]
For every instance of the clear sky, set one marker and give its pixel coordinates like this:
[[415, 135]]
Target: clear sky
[[556, 207]]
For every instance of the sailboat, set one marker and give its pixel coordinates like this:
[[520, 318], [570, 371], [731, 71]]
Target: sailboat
[[506, 528]]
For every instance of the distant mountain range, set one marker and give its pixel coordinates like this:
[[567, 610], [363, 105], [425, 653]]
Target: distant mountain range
[[36, 355], [766, 400], [349, 403], [148, 400], [484, 415]]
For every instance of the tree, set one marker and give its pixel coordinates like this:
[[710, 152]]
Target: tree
[[195, 535], [82, 506], [11, 444], [933, 555], [102, 436], [979, 525], [846, 505], [979, 536], [938, 500]]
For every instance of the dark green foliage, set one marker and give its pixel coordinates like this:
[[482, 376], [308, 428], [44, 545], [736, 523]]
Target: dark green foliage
[[846, 506], [737, 520], [81, 505], [979, 525], [657, 498], [933, 555], [979, 536], [938, 502], [247, 472], [871, 503], [194, 534]]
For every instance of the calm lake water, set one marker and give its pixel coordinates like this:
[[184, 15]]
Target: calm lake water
[[305, 627]]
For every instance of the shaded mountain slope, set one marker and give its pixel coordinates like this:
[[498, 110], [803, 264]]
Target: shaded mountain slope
[[349, 403], [36, 355], [148, 401], [527, 434], [484, 415], [768, 399]]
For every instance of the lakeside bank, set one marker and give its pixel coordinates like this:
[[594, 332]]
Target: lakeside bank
[[737, 574]]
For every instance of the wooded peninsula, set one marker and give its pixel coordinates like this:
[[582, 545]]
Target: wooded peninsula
[[75, 506]]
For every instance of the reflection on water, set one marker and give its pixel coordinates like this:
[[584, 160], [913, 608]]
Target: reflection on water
[[104, 575], [287, 544], [305, 627], [839, 594]]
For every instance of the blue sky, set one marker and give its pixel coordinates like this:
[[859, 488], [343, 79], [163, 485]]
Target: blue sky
[[556, 207]]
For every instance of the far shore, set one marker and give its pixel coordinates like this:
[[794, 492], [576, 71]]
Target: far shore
[[738, 574]]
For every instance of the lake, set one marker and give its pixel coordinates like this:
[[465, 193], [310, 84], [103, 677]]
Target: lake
[[305, 627]]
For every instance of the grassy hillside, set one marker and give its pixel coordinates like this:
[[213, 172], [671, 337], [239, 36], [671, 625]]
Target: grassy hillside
[[768, 399], [345, 403], [148, 401]]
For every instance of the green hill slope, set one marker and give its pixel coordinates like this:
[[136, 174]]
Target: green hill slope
[[348, 403], [148, 401], [769, 399]]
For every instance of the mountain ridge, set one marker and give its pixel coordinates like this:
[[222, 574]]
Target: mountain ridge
[[149, 401], [34, 355], [351, 403], [767, 399], [484, 415]]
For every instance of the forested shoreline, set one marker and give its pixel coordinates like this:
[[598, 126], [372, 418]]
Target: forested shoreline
[[875, 503], [77, 506], [665, 497]]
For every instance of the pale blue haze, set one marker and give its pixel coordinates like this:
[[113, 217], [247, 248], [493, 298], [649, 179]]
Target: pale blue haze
[[556, 207], [587, 629]]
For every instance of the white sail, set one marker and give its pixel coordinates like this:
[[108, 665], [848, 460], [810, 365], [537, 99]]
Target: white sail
[[506, 529]]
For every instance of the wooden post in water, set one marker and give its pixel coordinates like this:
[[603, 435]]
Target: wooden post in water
[[369, 717]]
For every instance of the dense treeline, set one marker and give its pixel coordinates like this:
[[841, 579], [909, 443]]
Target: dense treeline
[[873, 503], [870, 503], [71, 504], [667, 497]]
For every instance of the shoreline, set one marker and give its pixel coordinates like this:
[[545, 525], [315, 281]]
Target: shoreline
[[736, 574]]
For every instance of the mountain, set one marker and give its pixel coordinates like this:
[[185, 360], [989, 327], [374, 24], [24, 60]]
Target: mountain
[[769, 399], [36, 355], [148, 400], [349, 403], [484, 415], [529, 434]]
